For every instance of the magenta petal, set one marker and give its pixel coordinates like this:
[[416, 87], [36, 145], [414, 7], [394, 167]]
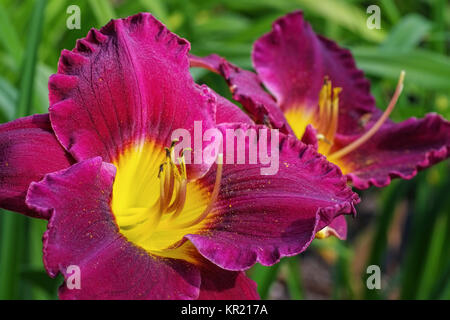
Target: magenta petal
[[292, 62], [246, 89], [289, 61], [82, 232], [310, 136], [397, 150], [227, 285], [220, 284], [127, 82], [337, 228], [228, 112], [262, 218], [28, 150]]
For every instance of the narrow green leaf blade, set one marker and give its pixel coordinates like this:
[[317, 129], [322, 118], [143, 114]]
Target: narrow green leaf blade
[[8, 98], [346, 15], [103, 11], [11, 248], [30, 60], [407, 34], [9, 38], [423, 68], [294, 280]]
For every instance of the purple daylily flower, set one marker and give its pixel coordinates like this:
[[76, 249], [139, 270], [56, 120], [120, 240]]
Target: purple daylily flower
[[138, 225], [321, 97]]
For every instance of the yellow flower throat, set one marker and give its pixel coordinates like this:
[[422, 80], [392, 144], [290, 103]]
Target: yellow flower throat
[[325, 120], [153, 202]]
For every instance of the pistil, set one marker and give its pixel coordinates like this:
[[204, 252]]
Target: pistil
[[369, 134], [213, 198]]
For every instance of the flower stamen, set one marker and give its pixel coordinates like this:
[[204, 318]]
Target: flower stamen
[[365, 137], [326, 119], [173, 188], [213, 198], [180, 199]]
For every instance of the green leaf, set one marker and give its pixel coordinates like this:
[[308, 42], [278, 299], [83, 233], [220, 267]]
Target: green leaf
[[42, 75], [294, 281], [9, 38], [253, 5], [8, 98], [391, 10], [103, 11], [387, 203], [156, 8], [39, 279], [55, 8], [344, 14], [11, 253], [264, 277], [437, 248], [442, 289], [423, 68], [440, 8], [30, 60], [36, 229], [255, 29], [427, 206], [407, 34], [12, 232], [221, 26]]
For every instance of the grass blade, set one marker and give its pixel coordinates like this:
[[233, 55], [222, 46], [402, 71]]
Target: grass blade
[[431, 261], [407, 34], [155, 7], [422, 67], [103, 11], [29, 62], [13, 225], [426, 211], [439, 9], [391, 10], [344, 14], [294, 281], [387, 204], [8, 98], [9, 39], [12, 247]]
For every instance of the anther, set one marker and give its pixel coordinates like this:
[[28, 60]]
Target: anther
[[327, 115], [213, 198]]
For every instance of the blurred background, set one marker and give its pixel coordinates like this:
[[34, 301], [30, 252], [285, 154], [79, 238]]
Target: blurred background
[[404, 228]]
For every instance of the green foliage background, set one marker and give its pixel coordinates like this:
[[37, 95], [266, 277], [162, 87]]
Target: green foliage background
[[414, 36]]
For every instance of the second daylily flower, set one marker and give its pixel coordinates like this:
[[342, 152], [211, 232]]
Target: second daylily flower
[[139, 226], [324, 100]]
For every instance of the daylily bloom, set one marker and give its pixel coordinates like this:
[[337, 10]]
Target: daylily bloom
[[321, 97], [99, 168]]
